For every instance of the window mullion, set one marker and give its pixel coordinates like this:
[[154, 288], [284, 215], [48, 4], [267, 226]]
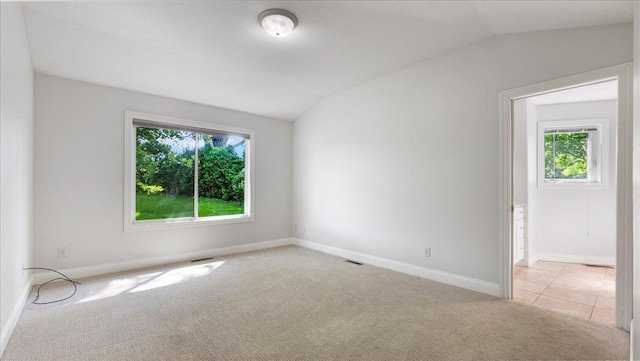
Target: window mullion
[[195, 176], [554, 156], [589, 156]]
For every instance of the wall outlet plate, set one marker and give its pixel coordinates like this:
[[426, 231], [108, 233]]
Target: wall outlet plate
[[427, 252]]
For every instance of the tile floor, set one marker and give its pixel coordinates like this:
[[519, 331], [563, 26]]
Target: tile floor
[[576, 289]]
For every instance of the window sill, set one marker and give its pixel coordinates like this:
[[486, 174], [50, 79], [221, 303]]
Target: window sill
[[186, 222], [581, 185]]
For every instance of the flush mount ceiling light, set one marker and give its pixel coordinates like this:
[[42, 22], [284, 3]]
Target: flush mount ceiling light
[[277, 22]]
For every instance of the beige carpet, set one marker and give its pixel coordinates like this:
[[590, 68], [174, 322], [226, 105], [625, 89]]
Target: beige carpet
[[291, 303]]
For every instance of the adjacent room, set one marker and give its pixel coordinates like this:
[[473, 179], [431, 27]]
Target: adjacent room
[[565, 190], [319, 180]]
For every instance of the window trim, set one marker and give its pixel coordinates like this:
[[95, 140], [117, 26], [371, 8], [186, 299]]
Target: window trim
[[130, 223], [602, 166]]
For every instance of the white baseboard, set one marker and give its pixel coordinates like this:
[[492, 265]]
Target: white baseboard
[[431, 274], [105, 268], [531, 261], [609, 261], [631, 338], [7, 330]]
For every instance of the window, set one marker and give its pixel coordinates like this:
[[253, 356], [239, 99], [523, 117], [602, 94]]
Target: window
[[182, 172], [570, 152]]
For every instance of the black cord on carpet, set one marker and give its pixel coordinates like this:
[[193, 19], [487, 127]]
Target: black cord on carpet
[[63, 278]]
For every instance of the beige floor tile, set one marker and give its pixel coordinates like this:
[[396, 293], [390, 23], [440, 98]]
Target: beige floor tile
[[607, 293], [542, 277], [609, 285], [584, 270], [603, 316], [528, 286], [608, 289], [571, 295], [524, 296], [551, 266], [582, 274], [576, 289], [586, 286], [568, 307], [606, 303], [585, 267], [610, 274]]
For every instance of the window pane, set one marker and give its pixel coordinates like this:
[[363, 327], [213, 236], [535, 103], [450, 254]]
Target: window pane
[[164, 173], [221, 169], [566, 155]]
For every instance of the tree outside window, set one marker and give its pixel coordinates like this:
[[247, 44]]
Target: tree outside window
[[566, 155], [166, 164]]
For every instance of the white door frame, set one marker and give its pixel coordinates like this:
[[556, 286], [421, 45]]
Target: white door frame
[[624, 218]]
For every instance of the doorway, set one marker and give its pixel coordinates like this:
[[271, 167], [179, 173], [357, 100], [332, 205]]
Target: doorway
[[565, 199], [564, 195]]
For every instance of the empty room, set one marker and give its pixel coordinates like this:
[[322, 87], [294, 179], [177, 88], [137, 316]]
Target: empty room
[[320, 180]]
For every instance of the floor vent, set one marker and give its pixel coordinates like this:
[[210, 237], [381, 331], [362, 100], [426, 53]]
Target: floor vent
[[597, 265], [201, 259], [354, 262]]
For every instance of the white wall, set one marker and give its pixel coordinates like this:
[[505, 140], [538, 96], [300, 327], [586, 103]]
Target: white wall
[[531, 219], [635, 342], [577, 223], [525, 127], [521, 110], [79, 130], [520, 152], [16, 168], [410, 159]]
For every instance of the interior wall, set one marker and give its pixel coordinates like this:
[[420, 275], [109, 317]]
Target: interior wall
[[525, 128], [531, 213], [410, 160], [520, 165], [577, 223], [521, 170], [79, 165], [16, 168], [635, 341]]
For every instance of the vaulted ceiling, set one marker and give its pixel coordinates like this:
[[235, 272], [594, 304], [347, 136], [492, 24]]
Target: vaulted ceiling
[[216, 53]]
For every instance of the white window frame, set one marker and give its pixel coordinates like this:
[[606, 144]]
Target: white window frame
[[598, 153], [130, 222]]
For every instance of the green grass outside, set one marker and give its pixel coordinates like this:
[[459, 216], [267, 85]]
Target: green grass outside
[[161, 206]]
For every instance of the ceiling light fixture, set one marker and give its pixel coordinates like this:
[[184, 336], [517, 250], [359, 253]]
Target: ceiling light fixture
[[277, 22]]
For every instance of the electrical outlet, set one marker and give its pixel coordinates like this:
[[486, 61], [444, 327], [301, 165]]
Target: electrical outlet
[[62, 252], [427, 252]]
